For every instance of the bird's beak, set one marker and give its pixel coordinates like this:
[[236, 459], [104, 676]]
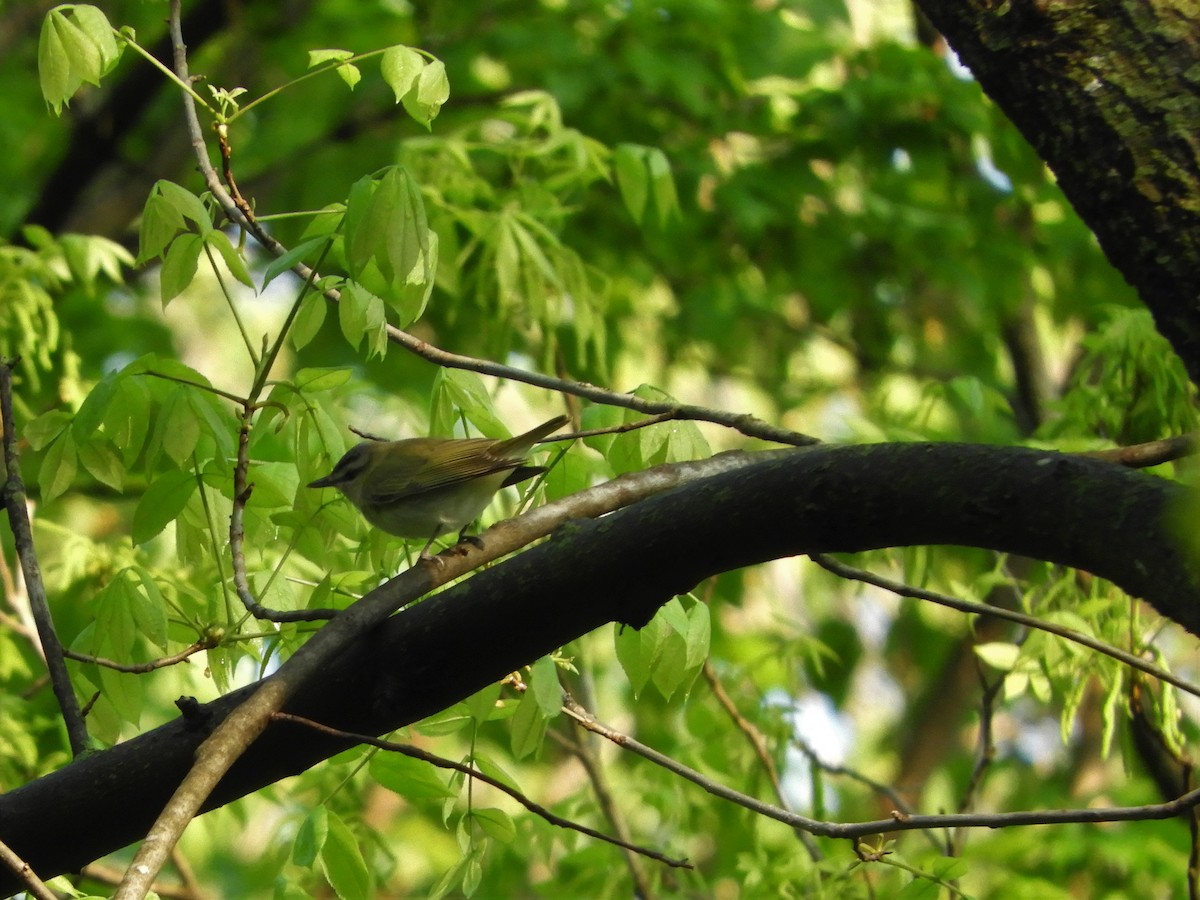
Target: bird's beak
[[327, 481]]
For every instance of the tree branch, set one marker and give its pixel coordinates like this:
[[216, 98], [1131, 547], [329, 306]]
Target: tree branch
[[620, 567], [18, 518], [1107, 95], [441, 762]]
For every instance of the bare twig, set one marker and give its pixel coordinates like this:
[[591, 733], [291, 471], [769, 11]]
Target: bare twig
[[985, 755], [853, 774], [905, 590], [18, 517], [1151, 453], [899, 821], [608, 805], [471, 772], [34, 885], [758, 744], [142, 668]]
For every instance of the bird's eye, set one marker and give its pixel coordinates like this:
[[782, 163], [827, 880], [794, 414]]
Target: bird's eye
[[351, 465]]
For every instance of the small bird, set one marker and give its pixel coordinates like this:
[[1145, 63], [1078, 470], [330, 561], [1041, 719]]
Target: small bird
[[427, 487]]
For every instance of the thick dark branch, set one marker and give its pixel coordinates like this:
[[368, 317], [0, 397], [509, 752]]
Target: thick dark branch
[[1079, 512], [1108, 94]]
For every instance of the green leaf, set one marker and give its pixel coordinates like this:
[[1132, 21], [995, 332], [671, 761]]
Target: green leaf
[[76, 46], [103, 462], [163, 501], [219, 241], [179, 266], [999, 654], [180, 427], [149, 609], [99, 32], [408, 777], [699, 635], [342, 862], [186, 203], [89, 256], [639, 651], [361, 314], [58, 467], [161, 223], [83, 54], [496, 823], [458, 391], [349, 74], [127, 417], [46, 427], [313, 381], [666, 200], [482, 704], [400, 67], [629, 160], [292, 257], [389, 245], [317, 57], [309, 320], [58, 82], [528, 726], [432, 92], [310, 837], [545, 687]]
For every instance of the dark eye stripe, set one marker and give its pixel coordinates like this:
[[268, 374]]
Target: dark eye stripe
[[350, 465]]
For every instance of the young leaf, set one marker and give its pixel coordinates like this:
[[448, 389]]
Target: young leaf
[[349, 74], [58, 467], [496, 824], [179, 267], [284, 263], [220, 242], [163, 501], [343, 863], [528, 727], [630, 164], [400, 67], [308, 320], [310, 836], [432, 91], [409, 777], [545, 687], [316, 57], [102, 460]]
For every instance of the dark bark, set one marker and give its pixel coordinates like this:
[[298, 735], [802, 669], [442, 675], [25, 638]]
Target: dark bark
[[1108, 94], [1078, 512]]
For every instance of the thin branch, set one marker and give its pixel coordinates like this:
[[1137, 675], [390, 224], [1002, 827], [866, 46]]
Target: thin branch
[[1151, 453], [112, 875], [142, 668], [608, 805], [758, 744], [883, 790], [18, 517], [33, 885], [985, 756], [471, 772], [906, 590], [899, 821]]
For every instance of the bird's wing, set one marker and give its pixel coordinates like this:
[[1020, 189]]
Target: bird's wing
[[464, 461]]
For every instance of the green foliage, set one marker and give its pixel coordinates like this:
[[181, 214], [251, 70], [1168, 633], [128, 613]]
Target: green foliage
[[798, 217], [77, 46]]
